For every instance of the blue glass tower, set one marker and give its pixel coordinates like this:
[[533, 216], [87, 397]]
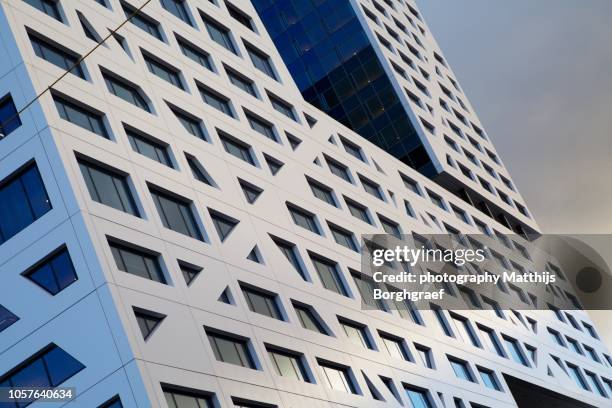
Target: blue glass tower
[[336, 68]]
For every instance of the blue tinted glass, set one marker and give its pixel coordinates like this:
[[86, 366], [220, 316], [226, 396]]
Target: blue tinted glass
[[32, 375], [45, 278], [61, 365], [9, 119], [35, 190], [7, 318]]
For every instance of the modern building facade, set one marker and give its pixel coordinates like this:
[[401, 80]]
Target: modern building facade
[[179, 227]]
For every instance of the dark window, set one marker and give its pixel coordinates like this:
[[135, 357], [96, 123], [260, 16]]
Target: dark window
[[176, 213], [237, 148], [216, 100], [240, 16], [291, 253], [338, 169], [371, 188], [304, 219], [293, 141], [358, 210], [48, 368], [191, 123], [261, 61], [241, 82], [282, 107], [245, 403], [81, 116], [322, 192], [288, 364], [343, 237], [251, 191], [183, 398], [261, 126], [261, 302], [230, 349], [137, 262], [23, 200], [9, 117], [308, 318], [198, 171], [219, 34], [365, 286], [190, 272], [224, 224], [148, 147], [390, 227], [7, 318], [411, 184], [54, 273], [49, 7], [329, 274], [114, 402], [352, 149], [337, 377], [55, 55], [274, 164], [147, 321], [126, 91], [195, 53], [594, 384], [108, 187], [178, 8], [142, 21], [89, 31], [576, 375], [164, 71]]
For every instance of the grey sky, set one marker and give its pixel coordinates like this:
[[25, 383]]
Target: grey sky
[[539, 75]]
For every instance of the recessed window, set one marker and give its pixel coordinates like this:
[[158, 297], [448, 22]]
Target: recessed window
[[9, 117], [109, 187], [461, 369], [224, 224], [56, 55], [147, 321], [251, 191], [390, 227], [148, 147], [371, 187], [329, 274], [419, 398], [338, 169], [190, 122], [288, 364], [594, 383], [23, 200], [261, 61], [47, 368], [463, 330], [216, 100], [54, 273], [490, 341], [137, 262], [219, 33], [114, 402], [356, 333], [395, 346], [366, 286], [198, 171], [273, 164], [126, 91], [178, 8], [337, 377], [181, 397], [49, 7], [81, 116], [489, 379], [237, 148], [352, 149], [309, 319], [322, 192], [176, 213], [230, 349], [189, 271], [195, 53], [261, 126], [462, 215], [142, 21], [304, 219], [573, 344], [241, 82], [291, 253], [425, 355], [165, 71], [343, 237], [262, 302], [358, 210], [576, 375], [7, 318], [240, 16], [514, 350], [283, 107], [411, 184]]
